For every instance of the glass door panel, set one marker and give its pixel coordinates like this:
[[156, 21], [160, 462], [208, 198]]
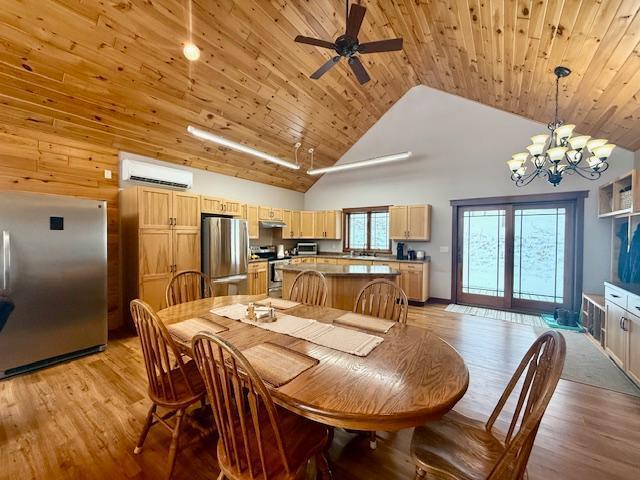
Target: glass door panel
[[482, 256]]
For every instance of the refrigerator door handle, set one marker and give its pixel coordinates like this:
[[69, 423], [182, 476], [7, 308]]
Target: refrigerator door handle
[[6, 261]]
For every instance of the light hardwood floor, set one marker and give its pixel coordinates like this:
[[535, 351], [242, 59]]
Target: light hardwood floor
[[81, 419]]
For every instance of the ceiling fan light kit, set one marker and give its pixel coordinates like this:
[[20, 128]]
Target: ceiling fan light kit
[[349, 47], [559, 154], [211, 137], [396, 157]]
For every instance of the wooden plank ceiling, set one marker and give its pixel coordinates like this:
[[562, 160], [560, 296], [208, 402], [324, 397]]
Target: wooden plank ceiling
[[112, 72]]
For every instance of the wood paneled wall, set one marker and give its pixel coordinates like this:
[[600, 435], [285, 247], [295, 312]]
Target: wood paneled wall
[[33, 161]]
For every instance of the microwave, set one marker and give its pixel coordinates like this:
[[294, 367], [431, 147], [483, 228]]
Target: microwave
[[309, 248]]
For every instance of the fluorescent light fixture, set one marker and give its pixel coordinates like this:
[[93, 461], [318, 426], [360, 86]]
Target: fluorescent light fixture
[[364, 163], [196, 132]]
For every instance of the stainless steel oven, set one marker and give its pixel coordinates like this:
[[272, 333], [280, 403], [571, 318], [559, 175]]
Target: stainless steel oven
[[275, 277], [307, 248]]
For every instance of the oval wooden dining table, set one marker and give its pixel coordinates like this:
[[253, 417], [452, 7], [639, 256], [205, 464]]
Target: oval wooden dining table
[[413, 376]]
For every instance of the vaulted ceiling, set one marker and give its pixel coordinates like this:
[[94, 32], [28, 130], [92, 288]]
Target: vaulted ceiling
[[112, 71]]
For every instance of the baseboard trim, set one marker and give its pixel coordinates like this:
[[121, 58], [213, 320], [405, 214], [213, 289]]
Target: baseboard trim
[[440, 301]]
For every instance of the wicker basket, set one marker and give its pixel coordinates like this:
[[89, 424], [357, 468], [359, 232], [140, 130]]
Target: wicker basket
[[625, 199]]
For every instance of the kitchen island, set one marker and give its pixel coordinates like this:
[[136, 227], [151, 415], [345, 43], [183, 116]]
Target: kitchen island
[[344, 281]]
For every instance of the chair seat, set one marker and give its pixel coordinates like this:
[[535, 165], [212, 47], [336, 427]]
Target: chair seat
[[302, 440], [183, 397], [455, 447]]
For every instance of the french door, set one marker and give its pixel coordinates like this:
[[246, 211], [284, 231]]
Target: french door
[[517, 256]]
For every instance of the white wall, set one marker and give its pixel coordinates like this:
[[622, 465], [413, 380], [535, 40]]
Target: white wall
[[460, 148], [215, 184]]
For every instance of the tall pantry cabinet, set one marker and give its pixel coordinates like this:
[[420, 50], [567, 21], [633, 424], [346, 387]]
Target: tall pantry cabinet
[[160, 236]]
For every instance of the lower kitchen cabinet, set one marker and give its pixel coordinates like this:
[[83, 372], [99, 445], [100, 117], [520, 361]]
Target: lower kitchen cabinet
[[633, 349], [258, 278], [615, 336]]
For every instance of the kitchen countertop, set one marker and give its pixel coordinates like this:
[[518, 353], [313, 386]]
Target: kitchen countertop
[[343, 270], [389, 258], [256, 260]]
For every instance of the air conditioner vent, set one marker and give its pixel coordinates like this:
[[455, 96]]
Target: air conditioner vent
[[152, 174]]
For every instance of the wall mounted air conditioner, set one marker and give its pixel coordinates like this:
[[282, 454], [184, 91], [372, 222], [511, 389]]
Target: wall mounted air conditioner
[[151, 174]]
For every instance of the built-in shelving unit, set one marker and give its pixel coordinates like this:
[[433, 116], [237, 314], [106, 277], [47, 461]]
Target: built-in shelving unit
[[619, 197]]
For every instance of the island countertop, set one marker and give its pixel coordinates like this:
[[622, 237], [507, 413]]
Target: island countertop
[[343, 270]]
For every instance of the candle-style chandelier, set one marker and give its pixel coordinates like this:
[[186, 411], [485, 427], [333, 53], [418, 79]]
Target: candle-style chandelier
[[559, 154]]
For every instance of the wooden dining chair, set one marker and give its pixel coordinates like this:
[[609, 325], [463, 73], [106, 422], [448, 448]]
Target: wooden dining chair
[[257, 440], [187, 286], [458, 447], [383, 299], [173, 384], [309, 287]]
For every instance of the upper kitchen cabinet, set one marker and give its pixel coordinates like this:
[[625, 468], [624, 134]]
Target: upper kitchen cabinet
[[410, 222], [328, 224], [159, 208], [251, 216], [220, 206], [268, 213], [307, 224]]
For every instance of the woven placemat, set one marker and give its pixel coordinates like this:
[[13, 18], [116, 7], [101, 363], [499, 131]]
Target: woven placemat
[[278, 365], [278, 303], [374, 324], [184, 331]]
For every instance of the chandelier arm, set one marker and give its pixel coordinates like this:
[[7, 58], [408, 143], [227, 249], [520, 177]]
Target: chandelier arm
[[586, 173], [526, 180]]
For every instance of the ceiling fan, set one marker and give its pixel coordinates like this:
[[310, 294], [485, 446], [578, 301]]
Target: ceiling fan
[[347, 45]]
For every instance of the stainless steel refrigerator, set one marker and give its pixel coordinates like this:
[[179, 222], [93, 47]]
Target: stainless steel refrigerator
[[225, 252], [53, 290]]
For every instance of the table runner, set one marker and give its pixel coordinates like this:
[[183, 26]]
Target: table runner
[[366, 322], [327, 335]]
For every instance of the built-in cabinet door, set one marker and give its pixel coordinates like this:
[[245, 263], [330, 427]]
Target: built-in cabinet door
[[186, 210], [632, 326], [318, 224], [186, 248], [233, 208], [418, 222], [264, 213], [155, 264], [295, 224], [411, 281], [252, 221], [615, 337], [154, 207], [333, 224], [286, 218], [211, 205], [257, 280], [307, 229], [276, 213], [398, 222]]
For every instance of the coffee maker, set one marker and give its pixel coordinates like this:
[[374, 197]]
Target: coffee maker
[[400, 251]]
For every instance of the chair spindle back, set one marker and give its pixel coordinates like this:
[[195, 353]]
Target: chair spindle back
[[309, 287], [383, 299], [187, 286]]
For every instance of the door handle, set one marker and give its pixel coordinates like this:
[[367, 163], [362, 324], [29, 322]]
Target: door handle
[[6, 261], [622, 324]]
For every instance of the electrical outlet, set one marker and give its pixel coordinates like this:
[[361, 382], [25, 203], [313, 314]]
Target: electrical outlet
[[107, 174], [444, 249]]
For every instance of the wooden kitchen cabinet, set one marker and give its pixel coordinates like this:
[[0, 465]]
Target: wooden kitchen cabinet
[[410, 222], [268, 213], [291, 219], [328, 224], [151, 256], [253, 224], [633, 347], [414, 280], [220, 206], [258, 278], [307, 224]]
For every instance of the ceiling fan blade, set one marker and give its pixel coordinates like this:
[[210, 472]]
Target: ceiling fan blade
[[354, 22], [390, 45], [359, 71], [314, 41], [325, 68]]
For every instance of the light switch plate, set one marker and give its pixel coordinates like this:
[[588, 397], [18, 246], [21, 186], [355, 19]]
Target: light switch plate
[[107, 174], [444, 249]]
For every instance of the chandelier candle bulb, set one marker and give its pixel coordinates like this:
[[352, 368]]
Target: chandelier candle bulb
[[594, 162], [595, 143], [514, 164], [542, 138], [579, 142], [573, 156]]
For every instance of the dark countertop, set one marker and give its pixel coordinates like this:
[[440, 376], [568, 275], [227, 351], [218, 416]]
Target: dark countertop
[[629, 287], [384, 258], [343, 270]]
